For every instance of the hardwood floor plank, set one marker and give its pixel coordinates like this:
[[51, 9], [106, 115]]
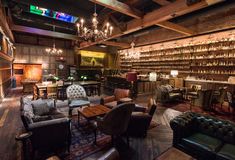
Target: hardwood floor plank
[[3, 118]]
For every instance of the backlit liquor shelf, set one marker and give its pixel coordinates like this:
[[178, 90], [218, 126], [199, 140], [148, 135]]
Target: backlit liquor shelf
[[206, 59]]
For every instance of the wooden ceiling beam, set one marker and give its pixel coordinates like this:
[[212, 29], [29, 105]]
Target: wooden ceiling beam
[[119, 7], [42, 32], [165, 13], [176, 27], [162, 2], [116, 44]]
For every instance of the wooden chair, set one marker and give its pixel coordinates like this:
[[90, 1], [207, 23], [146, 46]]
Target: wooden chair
[[52, 91]]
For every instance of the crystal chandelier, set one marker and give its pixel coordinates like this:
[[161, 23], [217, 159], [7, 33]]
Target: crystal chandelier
[[54, 50], [132, 53], [94, 33]]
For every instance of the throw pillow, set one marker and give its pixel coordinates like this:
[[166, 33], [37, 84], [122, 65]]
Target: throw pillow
[[40, 108]]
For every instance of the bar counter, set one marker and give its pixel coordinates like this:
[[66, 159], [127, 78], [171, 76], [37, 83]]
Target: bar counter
[[210, 84]]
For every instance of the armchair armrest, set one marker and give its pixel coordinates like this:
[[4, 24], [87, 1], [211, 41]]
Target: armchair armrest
[[49, 134], [139, 124], [182, 126], [48, 123], [107, 99]]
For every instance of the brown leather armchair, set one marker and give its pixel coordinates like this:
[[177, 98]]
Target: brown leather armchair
[[140, 121], [112, 101], [116, 121]]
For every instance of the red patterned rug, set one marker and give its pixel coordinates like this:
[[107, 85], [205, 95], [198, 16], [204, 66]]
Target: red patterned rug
[[82, 141]]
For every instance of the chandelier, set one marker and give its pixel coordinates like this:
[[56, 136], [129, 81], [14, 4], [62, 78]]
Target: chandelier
[[132, 53], [53, 50], [94, 33]]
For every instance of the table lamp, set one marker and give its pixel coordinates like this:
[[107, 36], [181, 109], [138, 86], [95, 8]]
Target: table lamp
[[131, 77], [174, 73]]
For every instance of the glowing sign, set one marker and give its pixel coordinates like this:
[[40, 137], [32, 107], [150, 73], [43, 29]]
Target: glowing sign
[[52, 14]]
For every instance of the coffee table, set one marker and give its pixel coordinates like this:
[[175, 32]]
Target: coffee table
[[91, 112], [174, 154]]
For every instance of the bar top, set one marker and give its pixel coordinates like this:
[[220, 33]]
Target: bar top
[[209, 81]]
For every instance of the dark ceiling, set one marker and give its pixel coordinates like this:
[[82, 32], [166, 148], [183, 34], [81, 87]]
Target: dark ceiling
[[19, 10]]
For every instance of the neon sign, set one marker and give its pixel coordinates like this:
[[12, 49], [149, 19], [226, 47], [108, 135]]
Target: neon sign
[[52, 14]]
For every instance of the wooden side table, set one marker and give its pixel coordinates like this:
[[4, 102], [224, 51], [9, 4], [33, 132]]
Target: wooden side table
[[174, 154]]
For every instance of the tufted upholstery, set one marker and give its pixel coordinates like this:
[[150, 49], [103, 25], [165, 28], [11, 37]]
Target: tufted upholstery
[[75, 92], [77, 97], [203, 135]]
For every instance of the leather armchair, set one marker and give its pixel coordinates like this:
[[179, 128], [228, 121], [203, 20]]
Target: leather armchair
[[112, 101], [116, 121], [204, 137], [140, 121], [166, 93]]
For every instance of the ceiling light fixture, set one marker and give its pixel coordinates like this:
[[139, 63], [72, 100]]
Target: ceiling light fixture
[[93, 33], [131, 53], [53, 50]]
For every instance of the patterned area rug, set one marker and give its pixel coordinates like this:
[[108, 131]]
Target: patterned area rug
[[82, 141]]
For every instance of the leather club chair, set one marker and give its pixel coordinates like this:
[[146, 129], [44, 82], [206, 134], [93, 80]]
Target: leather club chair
[[116, 121], [140, 121], [112, 101]]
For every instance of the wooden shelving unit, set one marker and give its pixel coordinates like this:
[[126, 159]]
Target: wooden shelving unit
[[204, 60]]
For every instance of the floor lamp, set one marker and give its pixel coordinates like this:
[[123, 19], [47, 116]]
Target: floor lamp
[[132, 77]]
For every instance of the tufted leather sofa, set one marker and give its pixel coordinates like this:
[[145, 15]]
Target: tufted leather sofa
[[204, 137]]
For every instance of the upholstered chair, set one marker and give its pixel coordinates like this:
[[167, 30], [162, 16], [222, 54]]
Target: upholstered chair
[[140, 121], [166, 93], [112, 101], [77, 97], [203, 99], [116, 121], [218, 97], [231, 101]]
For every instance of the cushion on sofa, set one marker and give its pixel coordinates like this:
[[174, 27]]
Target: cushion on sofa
[[226, 152], [202, 141], [40, 108]]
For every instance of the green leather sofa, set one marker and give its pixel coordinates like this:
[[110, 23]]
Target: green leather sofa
[[204, 137]]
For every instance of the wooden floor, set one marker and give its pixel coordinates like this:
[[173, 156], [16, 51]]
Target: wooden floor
[[157, 140]]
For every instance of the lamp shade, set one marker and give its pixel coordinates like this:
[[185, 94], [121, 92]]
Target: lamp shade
[[153, 76], [131, 76], [174, 73]]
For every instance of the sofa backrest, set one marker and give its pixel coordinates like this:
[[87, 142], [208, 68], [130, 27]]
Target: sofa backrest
[[221, 129]]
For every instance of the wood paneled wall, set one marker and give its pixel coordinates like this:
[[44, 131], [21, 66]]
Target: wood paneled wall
[[31, 54]]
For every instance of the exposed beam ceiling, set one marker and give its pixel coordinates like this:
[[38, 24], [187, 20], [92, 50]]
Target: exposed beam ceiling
[[42, 32], [176, 27], [117, 44], [31, 30], [162, 2], [119, 7], [170, 25], [165, 13]]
